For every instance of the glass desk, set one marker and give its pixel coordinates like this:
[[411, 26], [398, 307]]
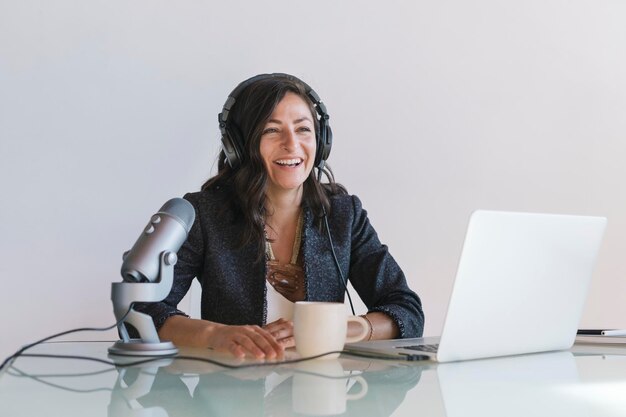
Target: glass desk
[[586, 381]]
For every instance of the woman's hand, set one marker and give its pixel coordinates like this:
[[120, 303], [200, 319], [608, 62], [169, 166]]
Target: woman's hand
[[243, 340], [268, 342], [282, 331]]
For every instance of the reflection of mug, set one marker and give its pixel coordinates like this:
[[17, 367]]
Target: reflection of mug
[[320, 327], [320, 388]]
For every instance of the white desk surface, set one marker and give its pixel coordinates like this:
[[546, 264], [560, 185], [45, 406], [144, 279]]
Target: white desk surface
[[586, 381]]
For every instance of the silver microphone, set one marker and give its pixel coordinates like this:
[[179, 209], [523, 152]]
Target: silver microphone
[[166, 231]]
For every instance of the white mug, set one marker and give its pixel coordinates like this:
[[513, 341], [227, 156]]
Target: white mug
[[320, 388], [320, 327]]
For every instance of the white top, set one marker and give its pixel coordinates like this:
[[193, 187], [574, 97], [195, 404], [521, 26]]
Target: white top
[[277, 305]]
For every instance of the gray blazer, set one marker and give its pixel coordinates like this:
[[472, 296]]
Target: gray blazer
[[233, 281]]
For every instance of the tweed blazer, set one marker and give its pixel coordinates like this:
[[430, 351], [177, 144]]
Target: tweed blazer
[[233, 280]]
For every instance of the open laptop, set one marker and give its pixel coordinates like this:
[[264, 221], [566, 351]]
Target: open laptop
[[520, 287]]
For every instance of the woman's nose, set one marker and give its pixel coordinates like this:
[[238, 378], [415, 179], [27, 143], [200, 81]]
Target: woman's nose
[[289, 139]]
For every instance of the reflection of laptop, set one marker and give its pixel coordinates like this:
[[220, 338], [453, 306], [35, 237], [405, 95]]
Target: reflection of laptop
[[520, 287], [514, 386]]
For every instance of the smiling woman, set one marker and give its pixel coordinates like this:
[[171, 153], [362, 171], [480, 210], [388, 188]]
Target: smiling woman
[[264, 232]]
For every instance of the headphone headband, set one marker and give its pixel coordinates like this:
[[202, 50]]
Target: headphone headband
[[233, 143]]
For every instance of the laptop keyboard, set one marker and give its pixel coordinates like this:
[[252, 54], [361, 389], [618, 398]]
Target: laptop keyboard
[[422, 348]]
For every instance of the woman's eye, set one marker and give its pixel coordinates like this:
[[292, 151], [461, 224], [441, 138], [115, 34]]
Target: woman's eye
[[270, 130], [305, 129]]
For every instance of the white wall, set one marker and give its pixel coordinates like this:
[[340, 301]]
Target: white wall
[[108, 108]]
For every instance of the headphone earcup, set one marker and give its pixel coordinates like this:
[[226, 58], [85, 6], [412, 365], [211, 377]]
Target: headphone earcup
[[231, 141], [324, 144]]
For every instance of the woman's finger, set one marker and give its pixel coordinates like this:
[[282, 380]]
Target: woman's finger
[[248, 345], [280, 329], [275, 324], [258, 342], [251, 340], [266, 341], [288, 342], [234, 349]]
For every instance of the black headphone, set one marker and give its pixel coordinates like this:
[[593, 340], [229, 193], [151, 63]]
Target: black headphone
[[233, 142]]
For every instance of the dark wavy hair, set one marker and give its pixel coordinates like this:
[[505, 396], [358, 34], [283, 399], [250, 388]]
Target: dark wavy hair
[[246, 185]]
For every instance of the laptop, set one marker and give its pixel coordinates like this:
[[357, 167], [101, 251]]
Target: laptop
[[520, 287]]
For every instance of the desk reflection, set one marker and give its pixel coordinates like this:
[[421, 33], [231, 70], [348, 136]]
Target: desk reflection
[[586, 382], [315, 388], [323, 389]]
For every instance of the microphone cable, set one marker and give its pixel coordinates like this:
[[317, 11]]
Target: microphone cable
[[332, 249], [149, 359], [343, 280], [21, 351]]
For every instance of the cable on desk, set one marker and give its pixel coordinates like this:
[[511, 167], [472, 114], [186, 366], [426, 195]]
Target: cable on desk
[[17, 372], [21, 351], [200, 359], [193, 358], [22, 374]]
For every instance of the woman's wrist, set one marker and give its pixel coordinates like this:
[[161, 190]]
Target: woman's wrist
[[209, 331], [370, 334], [381, 325], [185, 331]]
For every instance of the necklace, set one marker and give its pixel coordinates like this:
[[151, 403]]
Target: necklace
[[287, 279], [269, 253]]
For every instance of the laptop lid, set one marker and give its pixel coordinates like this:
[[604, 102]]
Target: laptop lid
[[521, 286]]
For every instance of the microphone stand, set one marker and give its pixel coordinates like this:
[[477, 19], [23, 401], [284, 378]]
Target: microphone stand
[[124, 294]]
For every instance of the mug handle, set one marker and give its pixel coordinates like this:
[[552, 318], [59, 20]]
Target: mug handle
[[364, 324], [363, 390]]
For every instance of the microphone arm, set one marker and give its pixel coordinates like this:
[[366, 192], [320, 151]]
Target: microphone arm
[[124, 294]]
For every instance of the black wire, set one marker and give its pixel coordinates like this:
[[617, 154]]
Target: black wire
[[343, 280], [193, 358], [83, 329], [19, 373], [332, 249], [15, 372], [39, 379]]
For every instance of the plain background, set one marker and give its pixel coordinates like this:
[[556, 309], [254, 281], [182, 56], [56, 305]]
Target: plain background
[[109, 108]]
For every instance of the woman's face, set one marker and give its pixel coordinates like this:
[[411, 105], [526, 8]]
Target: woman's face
[[288, 144]]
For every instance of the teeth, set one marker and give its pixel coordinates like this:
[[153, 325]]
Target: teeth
[[289, 162]]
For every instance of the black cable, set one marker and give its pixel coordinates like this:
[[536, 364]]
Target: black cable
[[45, 339], [332, 249], [15, 372], [19, 373], [193, 358], [344, 282], [39, 379]]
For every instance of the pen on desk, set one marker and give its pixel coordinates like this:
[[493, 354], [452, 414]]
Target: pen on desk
[[590, 332], [601, 332], [618, 332]]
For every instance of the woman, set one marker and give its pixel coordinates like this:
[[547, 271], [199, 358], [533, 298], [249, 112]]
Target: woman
[[262, 235]]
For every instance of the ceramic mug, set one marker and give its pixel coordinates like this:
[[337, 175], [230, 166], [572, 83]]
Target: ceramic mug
[[320, 327]]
